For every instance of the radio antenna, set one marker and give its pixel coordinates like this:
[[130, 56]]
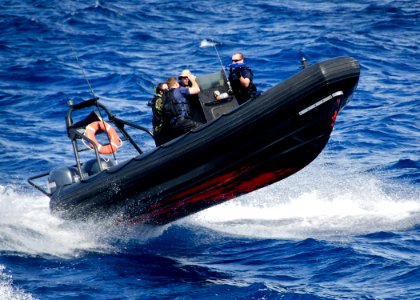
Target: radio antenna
[[223, 68], [91, 89], [74, 51]]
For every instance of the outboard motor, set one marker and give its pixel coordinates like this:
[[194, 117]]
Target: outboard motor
[[69, 175], [91, 167], [61, 177]]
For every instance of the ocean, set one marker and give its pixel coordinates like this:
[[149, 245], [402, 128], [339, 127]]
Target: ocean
[[345, 227]]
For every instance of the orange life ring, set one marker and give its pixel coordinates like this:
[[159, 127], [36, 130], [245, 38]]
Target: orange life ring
[[100, 126]]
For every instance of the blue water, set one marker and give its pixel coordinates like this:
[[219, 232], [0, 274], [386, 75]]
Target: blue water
[[345, 227]]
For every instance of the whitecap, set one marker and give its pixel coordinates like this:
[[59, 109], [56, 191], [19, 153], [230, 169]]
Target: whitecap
[[8, 291], [207, 43]]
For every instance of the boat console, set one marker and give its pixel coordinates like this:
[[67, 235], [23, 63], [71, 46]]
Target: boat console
[[212, 85]]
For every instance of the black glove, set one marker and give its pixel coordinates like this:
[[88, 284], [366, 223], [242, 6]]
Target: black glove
[[237, 73]]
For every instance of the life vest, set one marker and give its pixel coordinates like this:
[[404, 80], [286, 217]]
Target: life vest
[[241, 93], [174, 108]]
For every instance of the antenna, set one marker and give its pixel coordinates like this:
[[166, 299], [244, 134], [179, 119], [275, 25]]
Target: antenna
[[80, 65], [90, 87], [223, 68]]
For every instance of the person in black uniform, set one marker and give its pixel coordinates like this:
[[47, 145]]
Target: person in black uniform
[[176, 108], [241, 79]]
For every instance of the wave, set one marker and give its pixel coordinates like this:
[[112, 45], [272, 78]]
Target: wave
[[28, 228], [207, 43], [316, 203], [8, 291]]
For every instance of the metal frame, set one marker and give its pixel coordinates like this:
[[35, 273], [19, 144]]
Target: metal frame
[[74, 134]]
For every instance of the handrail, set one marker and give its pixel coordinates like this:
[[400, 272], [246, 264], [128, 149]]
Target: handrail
[[76, 150], [120, 125], [84, 104], [30, 181]]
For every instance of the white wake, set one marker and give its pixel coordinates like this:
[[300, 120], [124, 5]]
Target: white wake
[[316, 204], [28, 228]]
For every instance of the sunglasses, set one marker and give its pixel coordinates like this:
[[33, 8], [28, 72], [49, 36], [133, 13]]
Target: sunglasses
[[236, 60]]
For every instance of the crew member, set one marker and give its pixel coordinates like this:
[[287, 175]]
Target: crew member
[[183, 78], [157, 107], [177, 107], [241, 79]]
